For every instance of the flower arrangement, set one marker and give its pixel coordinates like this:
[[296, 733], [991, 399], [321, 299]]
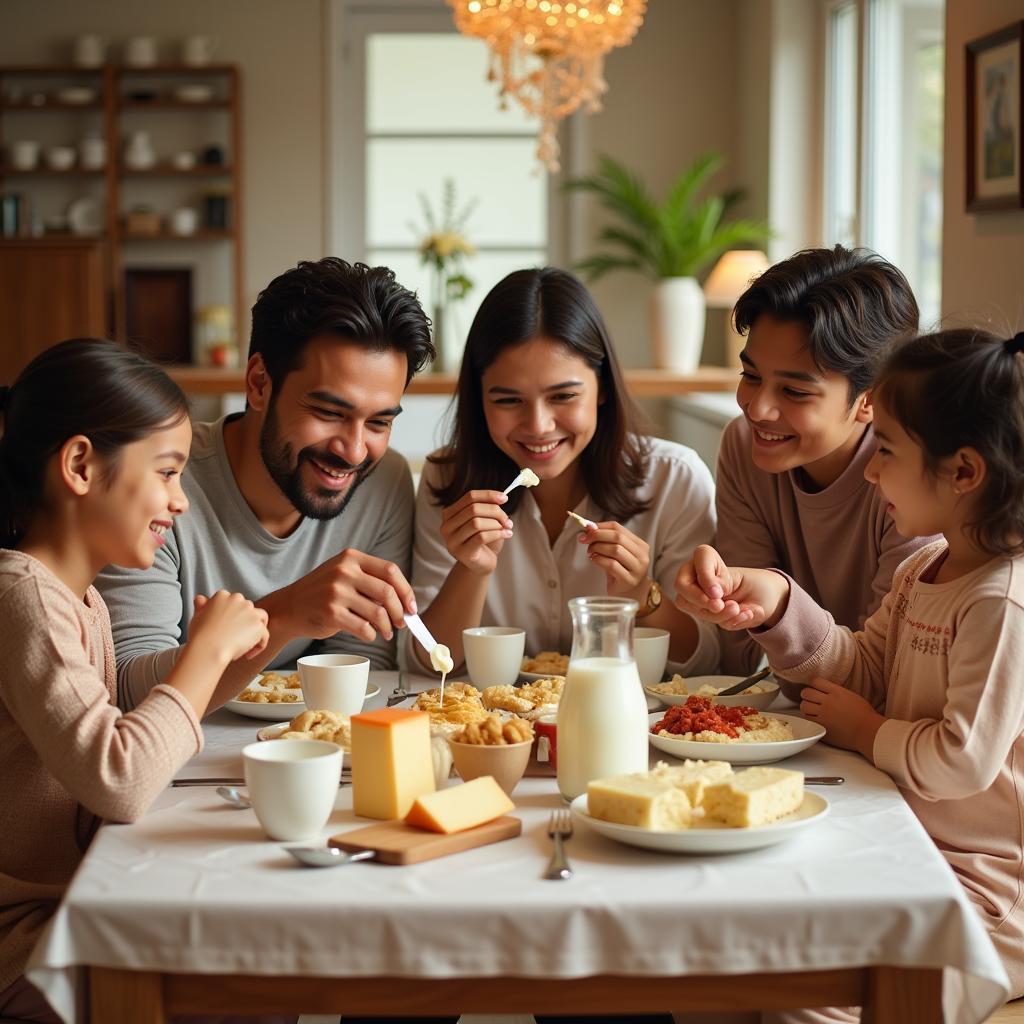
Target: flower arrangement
[[444, 248]]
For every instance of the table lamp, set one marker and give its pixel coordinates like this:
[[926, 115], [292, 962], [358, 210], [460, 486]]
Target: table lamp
[[725, 284]]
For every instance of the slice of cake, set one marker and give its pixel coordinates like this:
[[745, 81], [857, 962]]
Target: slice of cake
[[639, 799], [692, 776], [754, 797]]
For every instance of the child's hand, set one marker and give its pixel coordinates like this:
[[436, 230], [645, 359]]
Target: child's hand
[[622, 556], [850, 721], [231, 624], [731, 597]]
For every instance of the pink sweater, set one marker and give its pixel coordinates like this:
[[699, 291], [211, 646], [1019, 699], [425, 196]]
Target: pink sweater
[[68, 757], [943, 663], [839, 543]]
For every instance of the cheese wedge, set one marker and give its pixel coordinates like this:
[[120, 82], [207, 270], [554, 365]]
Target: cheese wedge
[[754, 797], [639, 799], [460, 807], [391, 761], [692, 776]]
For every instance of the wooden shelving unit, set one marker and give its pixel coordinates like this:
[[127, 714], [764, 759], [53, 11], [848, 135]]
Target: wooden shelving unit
[[118, 112]]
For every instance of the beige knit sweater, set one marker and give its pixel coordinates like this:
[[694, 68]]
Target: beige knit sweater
[[68, 756]]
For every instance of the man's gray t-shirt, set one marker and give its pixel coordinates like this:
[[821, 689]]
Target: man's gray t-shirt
[[219, 544]]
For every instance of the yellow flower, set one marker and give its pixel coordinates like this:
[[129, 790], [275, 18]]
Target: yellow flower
[[445, 244]]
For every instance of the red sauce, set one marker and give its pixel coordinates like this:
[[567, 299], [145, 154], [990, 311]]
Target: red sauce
[[700, 714]]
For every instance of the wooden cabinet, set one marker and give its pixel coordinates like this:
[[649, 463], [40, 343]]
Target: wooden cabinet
[[50, 289], [192, 118]]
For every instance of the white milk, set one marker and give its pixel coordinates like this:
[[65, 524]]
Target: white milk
[[602, 723]]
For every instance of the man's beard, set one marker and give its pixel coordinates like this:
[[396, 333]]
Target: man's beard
[[285, 470]]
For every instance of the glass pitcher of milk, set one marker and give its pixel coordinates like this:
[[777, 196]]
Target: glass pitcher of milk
[[602, 716]]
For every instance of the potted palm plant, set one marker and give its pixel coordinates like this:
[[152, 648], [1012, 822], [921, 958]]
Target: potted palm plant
[[670, 242]]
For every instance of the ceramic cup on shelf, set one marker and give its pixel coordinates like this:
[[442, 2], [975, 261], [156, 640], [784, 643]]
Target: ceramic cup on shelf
[[293, 785], [183, 160], [140, 52], [89, 50], [197, 51], [92, 152], [185, 220], [493, 654], [60, 158], [24, 154], [139, 154], [334, 682]]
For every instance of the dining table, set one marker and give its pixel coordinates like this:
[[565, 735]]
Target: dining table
[[193, 910]]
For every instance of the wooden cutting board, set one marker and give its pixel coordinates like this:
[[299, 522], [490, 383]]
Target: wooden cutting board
[[394, 842]]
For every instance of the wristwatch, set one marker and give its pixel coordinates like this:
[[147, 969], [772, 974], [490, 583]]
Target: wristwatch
[[653, 602]]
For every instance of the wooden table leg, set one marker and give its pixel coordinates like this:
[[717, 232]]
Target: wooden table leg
[[903, 995], [125, 997]]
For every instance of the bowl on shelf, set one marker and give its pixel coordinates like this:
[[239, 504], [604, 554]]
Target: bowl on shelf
[[60, 158], [194, 92], [76, 94]]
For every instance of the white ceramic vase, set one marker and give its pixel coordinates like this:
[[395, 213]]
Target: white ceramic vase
[[677, 324]]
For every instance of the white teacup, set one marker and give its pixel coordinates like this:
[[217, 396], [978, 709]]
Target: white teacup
[[140, 52], [197, 50], [493, 654], [334, 682], [650, 651], [292, 785], [24, 154]]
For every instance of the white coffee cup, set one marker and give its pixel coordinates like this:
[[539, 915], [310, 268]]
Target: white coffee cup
[[334, 682], [493, 654], [293, 785], [650, 651], [24, 154], [184, 220], [140, 52], [92, 152], [89, 51], [197, 51]]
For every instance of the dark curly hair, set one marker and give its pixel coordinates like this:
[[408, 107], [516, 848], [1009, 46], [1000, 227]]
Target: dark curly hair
[[362, 304], [551, 303], [82, 386], [965, 389], [853, 303]]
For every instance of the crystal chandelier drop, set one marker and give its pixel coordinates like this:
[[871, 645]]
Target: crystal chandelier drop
[[549, 54]]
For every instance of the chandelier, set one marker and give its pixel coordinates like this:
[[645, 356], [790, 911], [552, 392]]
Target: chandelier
[[549, 54]]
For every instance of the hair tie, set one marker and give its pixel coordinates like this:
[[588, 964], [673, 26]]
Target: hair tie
[[1015, 344]]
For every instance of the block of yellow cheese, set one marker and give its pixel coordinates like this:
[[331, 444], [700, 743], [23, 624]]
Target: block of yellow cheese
[[754, 797], [391, 761], [460, 807], [692, 776], [639, 799]]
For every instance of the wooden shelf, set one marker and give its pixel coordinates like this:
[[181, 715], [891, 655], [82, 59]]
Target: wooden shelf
[[161, 103], [170, 236], [166, 171], [207, 380], [25, 105]]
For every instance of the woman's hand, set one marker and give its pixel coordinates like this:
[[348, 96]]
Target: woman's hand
[[230, 625], [475, 528], [731, 597], [623, 557], [850, 721]]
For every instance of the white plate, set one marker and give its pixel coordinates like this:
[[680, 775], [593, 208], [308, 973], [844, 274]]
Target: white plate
[[85, 216], [274, 711], [76, 94], [532, 677], [194, 93], [709, 838], [273, 732], [761, 701], [805, 734]]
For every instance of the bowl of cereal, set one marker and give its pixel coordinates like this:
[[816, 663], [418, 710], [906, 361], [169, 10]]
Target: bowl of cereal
[[678, 689], [493, 746]]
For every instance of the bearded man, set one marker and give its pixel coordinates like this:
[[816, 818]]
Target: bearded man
[[297, 501]]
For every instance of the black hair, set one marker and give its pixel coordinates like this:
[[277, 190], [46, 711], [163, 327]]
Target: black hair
[[854, 305], [549, 303], [361, 304], [81, 386], [965, 389]]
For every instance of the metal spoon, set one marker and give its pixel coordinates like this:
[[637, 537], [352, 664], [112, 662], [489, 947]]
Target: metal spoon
[[237, 800], [744, 684], [327, 856], [823, 780]]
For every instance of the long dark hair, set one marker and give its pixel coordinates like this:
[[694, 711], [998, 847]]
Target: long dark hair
[[550, 303], [854, 304], [82, 386], [965, 389], [362, 304]]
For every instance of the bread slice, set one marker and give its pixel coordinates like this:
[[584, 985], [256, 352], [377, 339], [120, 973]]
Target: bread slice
[[754, 797]]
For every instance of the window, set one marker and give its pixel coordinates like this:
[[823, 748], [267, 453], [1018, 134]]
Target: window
[[885, 190]]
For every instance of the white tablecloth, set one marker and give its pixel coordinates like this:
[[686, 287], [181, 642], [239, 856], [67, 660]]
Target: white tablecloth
[[194, 886]]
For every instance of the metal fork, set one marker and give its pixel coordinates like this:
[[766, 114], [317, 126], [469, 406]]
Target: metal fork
[[559, 829], [400, 692]]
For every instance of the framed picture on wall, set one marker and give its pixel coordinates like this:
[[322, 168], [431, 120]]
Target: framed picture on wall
[[995, 139]]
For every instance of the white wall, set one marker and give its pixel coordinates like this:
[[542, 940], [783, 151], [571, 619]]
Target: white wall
[[982, 253]]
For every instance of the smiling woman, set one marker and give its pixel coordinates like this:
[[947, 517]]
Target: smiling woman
[[540, 389]]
